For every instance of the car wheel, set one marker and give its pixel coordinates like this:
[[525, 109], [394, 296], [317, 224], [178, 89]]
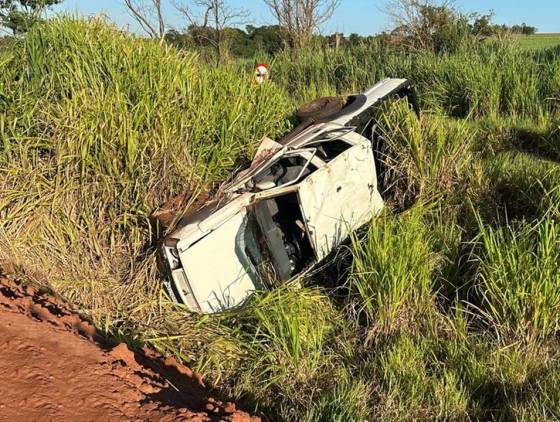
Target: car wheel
[[322, 110]]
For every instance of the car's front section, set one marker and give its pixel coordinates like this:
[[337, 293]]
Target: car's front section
[[296, 203], [210, 262]]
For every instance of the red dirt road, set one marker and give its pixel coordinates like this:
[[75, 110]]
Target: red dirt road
[[54, 367]]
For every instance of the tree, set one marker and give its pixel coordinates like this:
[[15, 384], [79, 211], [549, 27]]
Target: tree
[[19, 15], [428, 25], [437, 26], [267, 39], [482, 25], [301, 18], [213, 24], [523, 29], [149, 15], [180, 40]]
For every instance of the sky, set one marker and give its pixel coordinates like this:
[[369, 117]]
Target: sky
[[361, 16]]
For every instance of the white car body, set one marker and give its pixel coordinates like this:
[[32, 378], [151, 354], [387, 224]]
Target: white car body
[[296, 203]]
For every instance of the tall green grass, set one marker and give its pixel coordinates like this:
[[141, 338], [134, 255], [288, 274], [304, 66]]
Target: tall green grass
[[517, 185], [426, 156], [490, 79], [447, 310], [391, 272], [289, 343], [519, 278], [100, 128]]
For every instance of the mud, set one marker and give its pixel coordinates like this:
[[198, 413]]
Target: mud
[[57, 367]]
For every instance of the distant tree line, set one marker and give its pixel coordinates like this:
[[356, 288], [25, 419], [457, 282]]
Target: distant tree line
[[239, 42], [439, 27], [219, 31], [418, 25], [482, 25], [214, 24], [245, 43]]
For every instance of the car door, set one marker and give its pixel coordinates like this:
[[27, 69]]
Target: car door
[[340, 196]]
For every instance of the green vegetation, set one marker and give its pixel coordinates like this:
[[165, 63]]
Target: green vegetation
[[538, 41], [418, 25], [446, 307], [20, 15]]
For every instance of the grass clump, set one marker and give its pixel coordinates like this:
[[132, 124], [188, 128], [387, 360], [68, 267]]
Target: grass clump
[[347, 401], [519, 278], [517, 186], [282, 350], [391, 272], [425, 156], [426, 389]]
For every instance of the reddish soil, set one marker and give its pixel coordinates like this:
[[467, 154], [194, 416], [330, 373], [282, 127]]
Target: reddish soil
[[55, 366]]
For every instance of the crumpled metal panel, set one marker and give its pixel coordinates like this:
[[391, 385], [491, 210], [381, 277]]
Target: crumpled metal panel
[[340, 197]]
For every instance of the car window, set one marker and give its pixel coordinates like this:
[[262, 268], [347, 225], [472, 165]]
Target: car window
[[283, 171], [329, 150]]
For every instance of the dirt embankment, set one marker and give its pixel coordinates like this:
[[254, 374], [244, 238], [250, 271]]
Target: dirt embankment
[[55, 366]]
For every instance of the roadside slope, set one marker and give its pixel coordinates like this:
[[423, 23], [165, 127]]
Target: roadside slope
[[56, 367]]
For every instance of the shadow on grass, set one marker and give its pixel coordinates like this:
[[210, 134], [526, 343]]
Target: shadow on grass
[[502, 399], [542, 144]]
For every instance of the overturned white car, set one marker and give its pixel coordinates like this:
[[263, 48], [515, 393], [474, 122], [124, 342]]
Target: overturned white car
[[293, 206]]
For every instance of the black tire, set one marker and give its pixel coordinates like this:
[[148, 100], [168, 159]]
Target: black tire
[[321, 108]]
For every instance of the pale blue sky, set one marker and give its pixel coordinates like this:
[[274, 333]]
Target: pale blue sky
[[361, 16]]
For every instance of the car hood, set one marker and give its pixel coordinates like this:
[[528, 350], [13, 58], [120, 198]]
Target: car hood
[[218, 266]]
